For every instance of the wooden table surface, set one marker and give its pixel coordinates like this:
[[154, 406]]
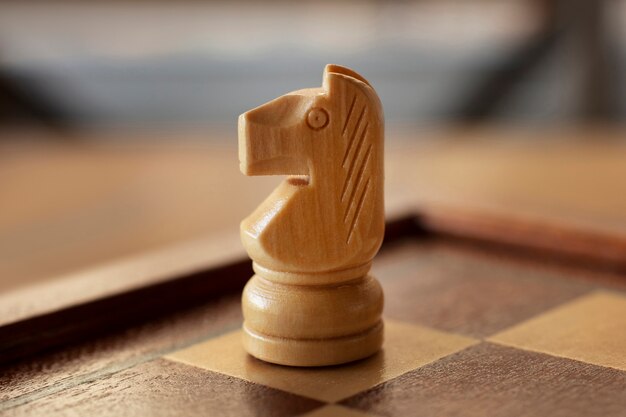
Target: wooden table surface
[[72, 204]]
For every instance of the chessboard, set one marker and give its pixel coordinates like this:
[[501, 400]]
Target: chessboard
[[470, 330], [484, 315]]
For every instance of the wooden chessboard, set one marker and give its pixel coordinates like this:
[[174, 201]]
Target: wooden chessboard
[[470, 330], [486, 314]]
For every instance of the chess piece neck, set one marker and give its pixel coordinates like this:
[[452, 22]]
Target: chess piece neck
[[334, 277]]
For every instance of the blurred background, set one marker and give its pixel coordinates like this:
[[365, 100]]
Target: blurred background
[[183, 65], [118, 119]]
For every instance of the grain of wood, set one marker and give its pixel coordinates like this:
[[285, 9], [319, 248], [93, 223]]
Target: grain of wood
[[499, 381], [164, 388], [49, 373]]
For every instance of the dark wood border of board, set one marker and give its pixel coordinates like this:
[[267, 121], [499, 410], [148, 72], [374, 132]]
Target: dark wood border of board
[[80, 321]]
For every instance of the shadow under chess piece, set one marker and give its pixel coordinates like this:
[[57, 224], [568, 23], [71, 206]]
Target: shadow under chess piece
[[311, 301]]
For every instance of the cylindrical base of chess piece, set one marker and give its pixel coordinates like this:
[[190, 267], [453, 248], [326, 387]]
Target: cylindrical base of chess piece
[[312, 325]]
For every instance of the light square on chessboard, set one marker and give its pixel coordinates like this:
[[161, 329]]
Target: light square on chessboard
[[406, 347], [590, 329], [333, 410]]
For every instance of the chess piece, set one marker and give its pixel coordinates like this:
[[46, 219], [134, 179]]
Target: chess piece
[[311, 301]]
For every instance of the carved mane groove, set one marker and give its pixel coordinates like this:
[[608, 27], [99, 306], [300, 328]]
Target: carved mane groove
[[356, 162]]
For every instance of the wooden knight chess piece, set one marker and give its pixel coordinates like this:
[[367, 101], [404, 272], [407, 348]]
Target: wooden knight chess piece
[[311, 301]]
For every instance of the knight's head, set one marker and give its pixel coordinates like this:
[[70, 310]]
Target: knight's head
[[289, 135]]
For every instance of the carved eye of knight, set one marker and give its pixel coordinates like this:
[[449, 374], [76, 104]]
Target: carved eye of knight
[[317, 118]]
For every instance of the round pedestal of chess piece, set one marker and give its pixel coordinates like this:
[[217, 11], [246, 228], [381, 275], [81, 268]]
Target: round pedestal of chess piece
[[312, 323]]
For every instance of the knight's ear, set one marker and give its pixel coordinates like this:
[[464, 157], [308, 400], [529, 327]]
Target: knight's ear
[[336, 76]]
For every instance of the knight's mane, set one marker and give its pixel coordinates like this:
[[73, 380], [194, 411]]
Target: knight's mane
[[359, 139]]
